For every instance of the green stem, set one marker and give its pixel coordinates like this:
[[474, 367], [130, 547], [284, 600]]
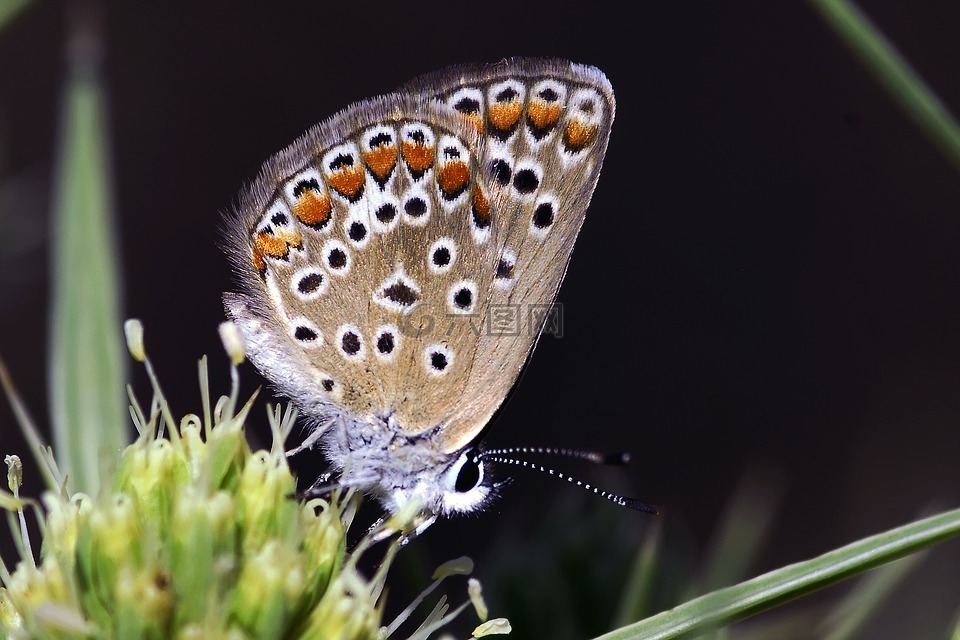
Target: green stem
[[903, 83], [10, 9], [729, 605]]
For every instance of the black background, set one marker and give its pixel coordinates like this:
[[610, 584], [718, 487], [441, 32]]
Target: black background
[[766, 284]]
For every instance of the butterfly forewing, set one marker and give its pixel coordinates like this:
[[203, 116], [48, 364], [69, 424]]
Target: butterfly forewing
[[545, 125]]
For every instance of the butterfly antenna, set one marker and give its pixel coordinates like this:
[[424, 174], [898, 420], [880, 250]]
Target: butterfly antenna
[[630, 503], [622, 458]]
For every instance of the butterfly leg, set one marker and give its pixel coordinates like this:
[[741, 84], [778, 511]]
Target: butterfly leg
[[377, 532], [316, 491], [320, 488], [308, 443], [321, 480], [311, 439], [407, 538]]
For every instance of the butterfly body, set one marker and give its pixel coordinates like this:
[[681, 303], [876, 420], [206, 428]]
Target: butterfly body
[[375, 252]]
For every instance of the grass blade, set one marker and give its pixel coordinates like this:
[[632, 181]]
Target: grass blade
[[10, 9], [87, 364], [903, 83], [955, 627], [729, 605], [849, 617], [28, 427], [743, 530], [639, 587]]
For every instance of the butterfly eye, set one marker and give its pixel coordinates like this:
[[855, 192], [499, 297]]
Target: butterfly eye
[[470, 472]]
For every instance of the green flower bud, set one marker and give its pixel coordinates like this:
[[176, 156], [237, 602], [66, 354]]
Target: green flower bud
[[195, 537]]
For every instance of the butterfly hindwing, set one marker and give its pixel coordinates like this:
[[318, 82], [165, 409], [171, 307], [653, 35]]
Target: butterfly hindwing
[[398, 260], [359, 249]]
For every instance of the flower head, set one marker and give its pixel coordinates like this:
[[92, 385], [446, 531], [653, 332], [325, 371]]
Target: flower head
[[194, 536]]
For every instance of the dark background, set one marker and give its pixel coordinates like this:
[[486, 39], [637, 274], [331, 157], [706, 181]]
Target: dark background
[[771, 247]]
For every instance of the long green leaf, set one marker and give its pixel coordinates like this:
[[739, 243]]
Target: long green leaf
[[903, 83], [729, 605], [639, 585], [10, 9], [955, 627], [851, 615], [87, 363], [742, 531]]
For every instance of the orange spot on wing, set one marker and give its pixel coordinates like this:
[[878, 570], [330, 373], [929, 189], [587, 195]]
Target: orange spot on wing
[[543, 114], [419, 157], [292, 238], [453, 177], [579, 134], [505, 114], [258, 262], [348, 181], [476, 120], [481, 207], [270, 245], [312, 208], [381, 160]]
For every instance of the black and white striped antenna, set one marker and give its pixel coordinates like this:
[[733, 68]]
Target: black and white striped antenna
[[511, 456]]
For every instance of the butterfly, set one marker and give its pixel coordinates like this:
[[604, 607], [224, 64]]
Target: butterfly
[[377, 254]]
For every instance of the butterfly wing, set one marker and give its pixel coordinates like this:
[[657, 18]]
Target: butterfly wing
[[545, 124], [377, 254], [353, 247]]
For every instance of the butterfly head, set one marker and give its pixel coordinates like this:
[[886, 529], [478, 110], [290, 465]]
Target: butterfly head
[[462, 484], [456, 487]]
